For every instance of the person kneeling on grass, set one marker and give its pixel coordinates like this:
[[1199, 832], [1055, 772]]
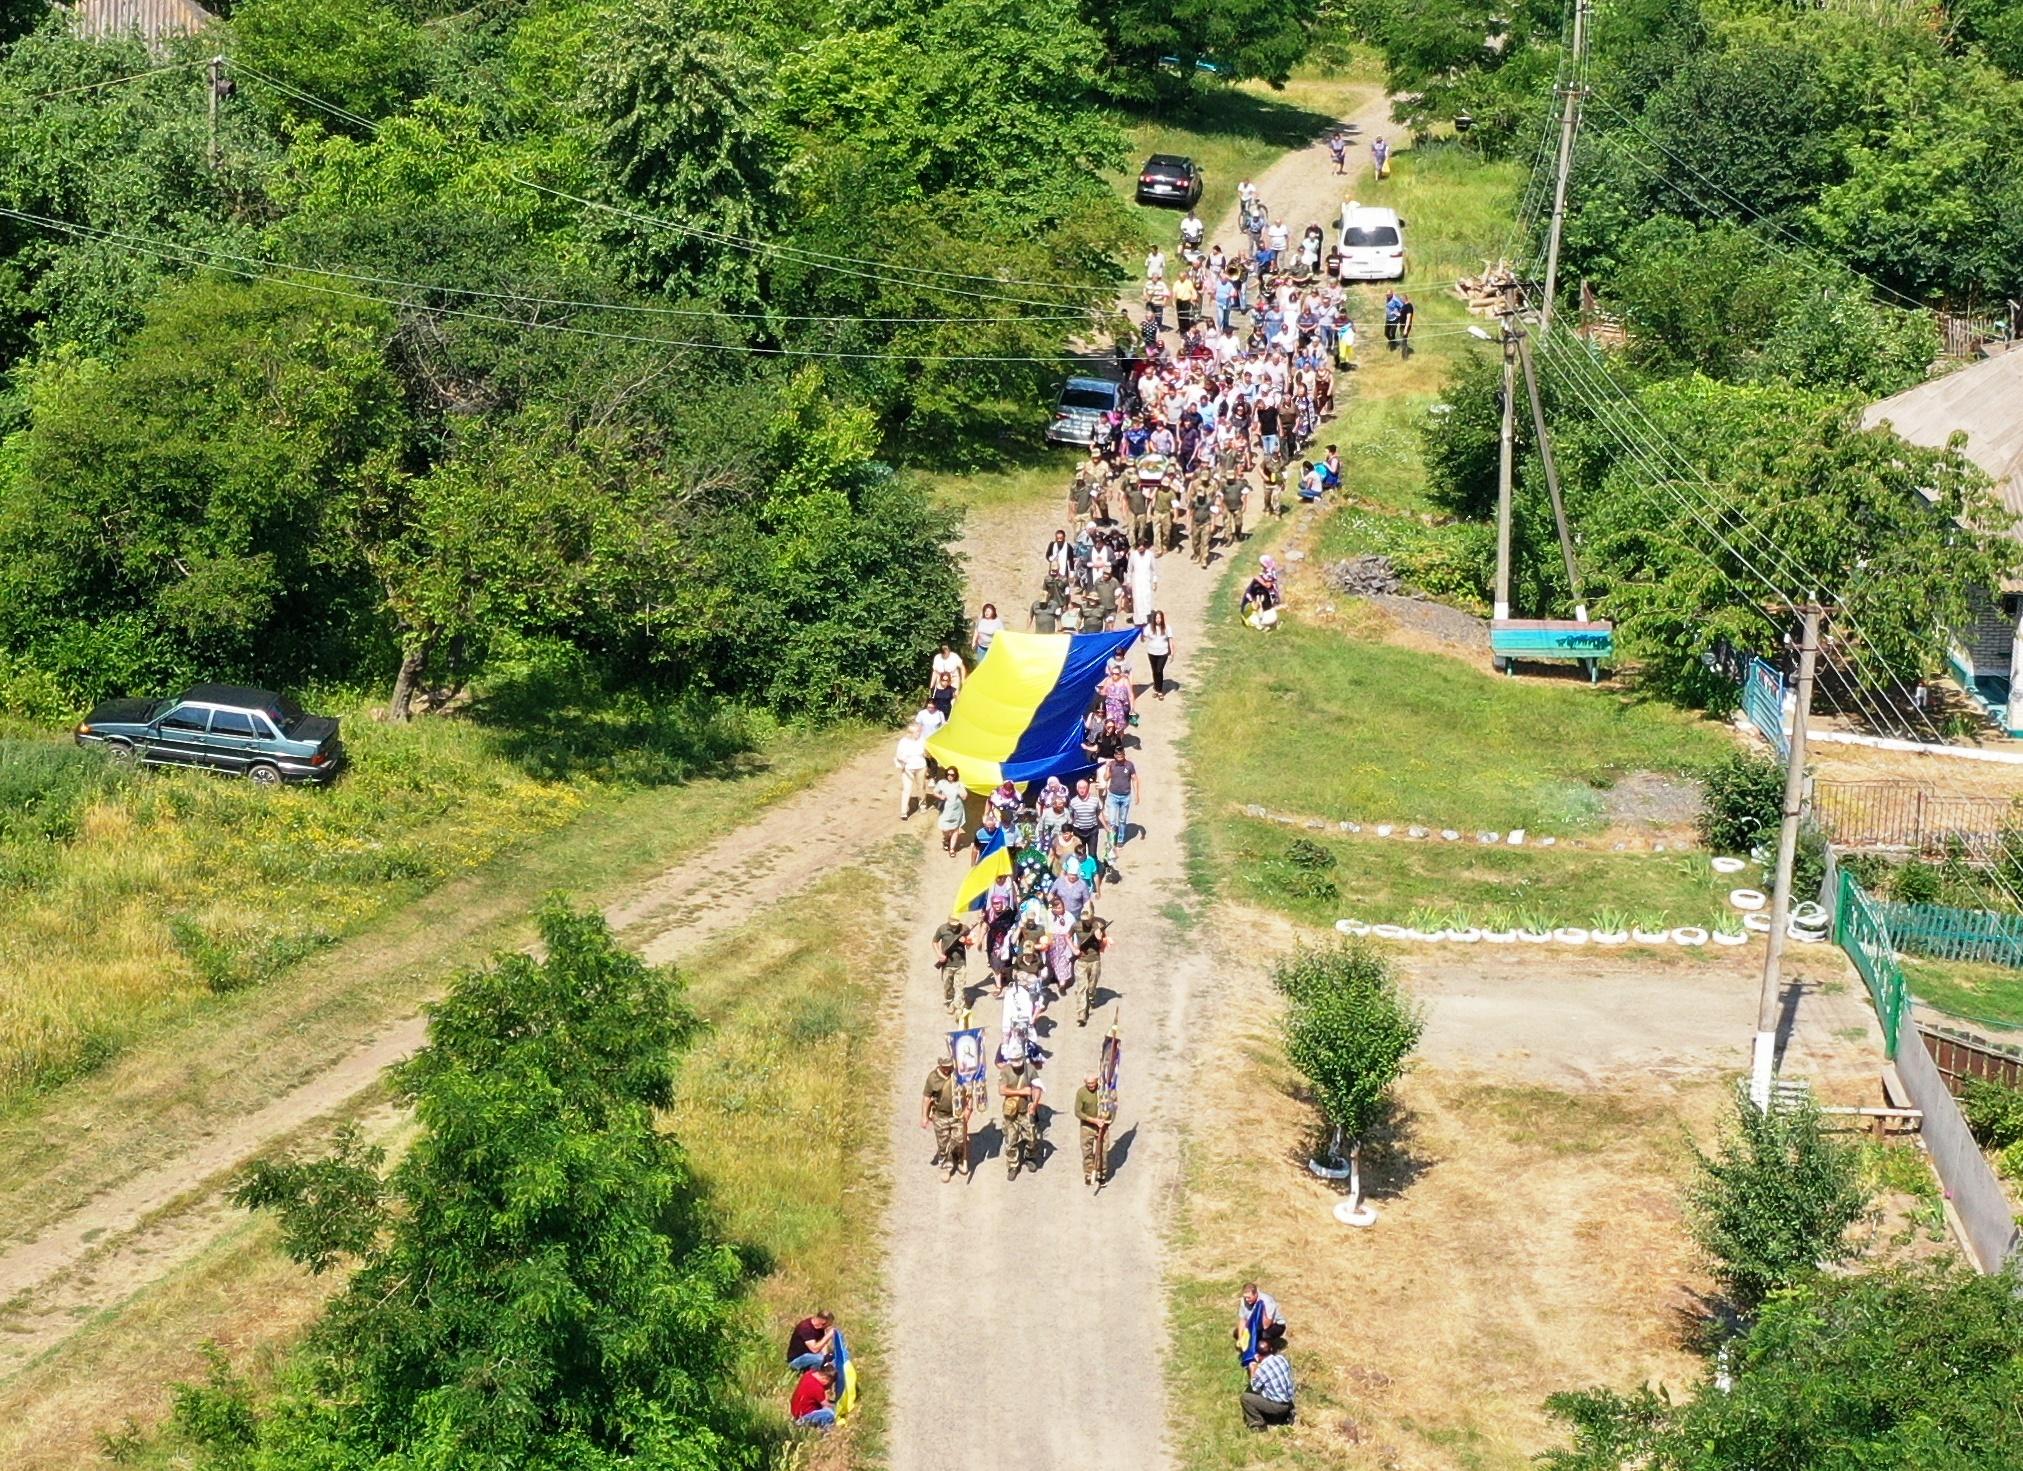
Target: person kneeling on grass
[[811, 1402], [812, 1342], [1268, 1401]]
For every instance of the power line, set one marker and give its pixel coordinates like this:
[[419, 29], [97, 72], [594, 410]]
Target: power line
[[156, 71]]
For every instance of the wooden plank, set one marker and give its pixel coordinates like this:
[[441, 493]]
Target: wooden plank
[[1566, 643]]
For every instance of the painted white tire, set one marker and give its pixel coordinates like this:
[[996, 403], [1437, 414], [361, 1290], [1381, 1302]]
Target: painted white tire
[[1384, 829], [1468, 936], [1534, 937], [1352, 927], [1728, 865], [1570, 935], [1418, 935], [1740, 937], [1611, 937], [1804, 937], [1389, 931], [1809, 915], [1651, 937], [1328, 1172], [1500, 937], [1748, 899], [1354, 1215], [1689, 934], [1758, 923]]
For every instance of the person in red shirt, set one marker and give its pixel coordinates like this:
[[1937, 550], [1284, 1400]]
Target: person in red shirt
[[810, 1404]]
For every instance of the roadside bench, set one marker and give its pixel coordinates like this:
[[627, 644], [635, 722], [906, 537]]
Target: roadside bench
[[1512, 639]]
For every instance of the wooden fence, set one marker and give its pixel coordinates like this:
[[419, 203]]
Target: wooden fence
[[1955, 934], [1959, 1057], [1895, 817]]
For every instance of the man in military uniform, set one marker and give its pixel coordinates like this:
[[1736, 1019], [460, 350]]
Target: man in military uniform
[[1234, 492], [1165, 497], [1018, 1085], [1136, 501], [1200, 508], [1093, 1127], [1029, 959], [951, 949], [1088, 939], [1080, 491], [944, 1109]]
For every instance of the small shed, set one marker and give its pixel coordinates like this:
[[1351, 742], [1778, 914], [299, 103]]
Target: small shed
[[155, 21], [1984, 401]]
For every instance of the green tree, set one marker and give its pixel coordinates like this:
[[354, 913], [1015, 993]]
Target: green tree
[[1909, 1366], [360, 55], [188, 509], [1153, 46], [1772, 1204], [1349, 1028], [534, 1287], [679, 104]]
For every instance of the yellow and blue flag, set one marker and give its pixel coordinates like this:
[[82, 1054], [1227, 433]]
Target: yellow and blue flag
[[994, 863], [1019, 716], [846, 1378]]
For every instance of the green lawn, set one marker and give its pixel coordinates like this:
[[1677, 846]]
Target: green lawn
[[1990, 994], [1327, 718]]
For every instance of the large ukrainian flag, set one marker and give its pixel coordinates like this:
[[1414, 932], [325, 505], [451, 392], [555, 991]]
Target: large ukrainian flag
[[1019, 716]]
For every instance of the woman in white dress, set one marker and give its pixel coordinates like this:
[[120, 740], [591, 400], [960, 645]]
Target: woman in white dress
[[1141, 570]]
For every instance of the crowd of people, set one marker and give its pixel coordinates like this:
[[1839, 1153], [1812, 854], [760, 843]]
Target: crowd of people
[[1215, 422]]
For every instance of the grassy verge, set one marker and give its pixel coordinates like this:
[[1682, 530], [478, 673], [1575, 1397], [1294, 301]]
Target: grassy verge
[[1989, 994], [770, 1108], [134, 898], [222, 1056]]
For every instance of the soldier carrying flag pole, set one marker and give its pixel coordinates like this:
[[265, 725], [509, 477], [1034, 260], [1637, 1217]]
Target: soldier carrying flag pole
[[1096, 1110]]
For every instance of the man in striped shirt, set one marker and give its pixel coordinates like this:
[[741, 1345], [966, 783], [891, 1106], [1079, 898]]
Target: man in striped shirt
[[1085, 815]]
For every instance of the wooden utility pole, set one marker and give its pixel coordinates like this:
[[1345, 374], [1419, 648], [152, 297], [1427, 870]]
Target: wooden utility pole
[[1551, 475], [1763, 1065], [1569, 121], [1506, 449], [217, 73]]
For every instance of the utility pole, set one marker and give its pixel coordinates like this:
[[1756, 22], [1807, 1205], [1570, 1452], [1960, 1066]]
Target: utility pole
[[217, 71], [1506, 450], [1763, 1065], [1569, 121], [1551, 475]]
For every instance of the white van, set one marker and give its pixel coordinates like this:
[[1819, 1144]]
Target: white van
[[1372, 244]]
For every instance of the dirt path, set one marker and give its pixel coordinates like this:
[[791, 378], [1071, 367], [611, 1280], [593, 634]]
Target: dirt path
[[1030, 1313]]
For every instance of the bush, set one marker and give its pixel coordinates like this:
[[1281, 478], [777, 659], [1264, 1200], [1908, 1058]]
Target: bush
[[1773, 1204], [45, 788], [1452, 564], [1916, 882], [1994, 1111], [1745, 795]]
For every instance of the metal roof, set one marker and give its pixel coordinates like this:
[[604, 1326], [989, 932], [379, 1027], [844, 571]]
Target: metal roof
[[1984, 401], [151, 20]]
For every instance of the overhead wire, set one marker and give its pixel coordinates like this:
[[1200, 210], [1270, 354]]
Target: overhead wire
[[139, 76]]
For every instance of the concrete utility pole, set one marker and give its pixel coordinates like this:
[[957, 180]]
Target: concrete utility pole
[[1551, 475], [217, 71], [1764, 1065], [1569, 122], [1506, 450]]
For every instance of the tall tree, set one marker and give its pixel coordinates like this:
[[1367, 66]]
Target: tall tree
[[1154, 46], [534, 1286]]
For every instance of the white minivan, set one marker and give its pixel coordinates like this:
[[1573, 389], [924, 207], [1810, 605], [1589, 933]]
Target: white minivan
[[1372, 244]]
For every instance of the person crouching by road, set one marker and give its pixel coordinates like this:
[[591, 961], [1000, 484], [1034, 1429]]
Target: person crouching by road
[[1269, 1399], [813, 1401], [813, 1341]]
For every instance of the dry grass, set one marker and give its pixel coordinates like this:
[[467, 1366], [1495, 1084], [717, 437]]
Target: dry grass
[[1943, 775], [1530, 1241]]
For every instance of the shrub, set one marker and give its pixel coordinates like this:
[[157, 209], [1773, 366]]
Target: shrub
[[46, 787], [1916, 882], [1994, 1111], [1774, 1202], [1745, 794]]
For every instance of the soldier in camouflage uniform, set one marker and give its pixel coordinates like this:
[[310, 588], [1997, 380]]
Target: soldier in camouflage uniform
[[951, 948], [1165, 497], [1140, 507], [1092, 1126], [944, 1109], [1018, 1085], [1088, 938], [1200, 508]]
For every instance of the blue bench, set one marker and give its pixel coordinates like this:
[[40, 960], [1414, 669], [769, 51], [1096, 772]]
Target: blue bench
[[1512, 639]]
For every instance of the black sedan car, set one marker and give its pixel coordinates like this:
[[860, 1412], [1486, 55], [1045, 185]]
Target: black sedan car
[[264, 737], [1169, 179]]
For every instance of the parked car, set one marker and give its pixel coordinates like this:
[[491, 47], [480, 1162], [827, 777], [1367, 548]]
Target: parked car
[[1372, 244], [1080, 407], [264, 737], [1169, 179]]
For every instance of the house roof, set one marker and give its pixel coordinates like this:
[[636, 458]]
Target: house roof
[[1984, 401], [151, 20]]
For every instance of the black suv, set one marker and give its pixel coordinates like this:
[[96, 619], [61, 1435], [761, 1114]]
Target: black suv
[[264, 737], [1169, 179]]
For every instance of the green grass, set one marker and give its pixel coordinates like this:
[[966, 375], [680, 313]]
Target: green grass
[[780, 1108], [1398, 880], [1043, 478], [1990, 994]]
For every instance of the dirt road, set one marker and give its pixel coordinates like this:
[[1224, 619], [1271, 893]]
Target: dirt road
[[1026, 1320]]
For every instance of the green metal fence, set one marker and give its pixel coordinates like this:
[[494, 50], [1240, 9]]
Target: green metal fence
[[1954, 934], [1860, 930]]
